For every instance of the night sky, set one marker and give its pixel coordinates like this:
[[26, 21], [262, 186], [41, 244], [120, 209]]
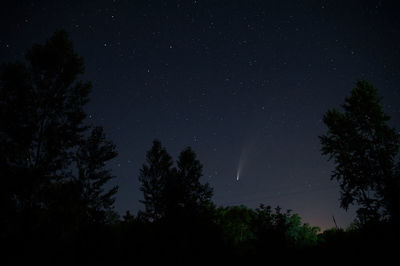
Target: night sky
[[244, 83]]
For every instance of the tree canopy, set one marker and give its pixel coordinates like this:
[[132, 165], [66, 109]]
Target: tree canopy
[[52, 162], [167, 189], [363, 147]]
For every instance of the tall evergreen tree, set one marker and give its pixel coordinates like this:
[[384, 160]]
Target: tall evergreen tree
[[168, 190], [153, 176], [363, 147], [91, 158], [189, 172]]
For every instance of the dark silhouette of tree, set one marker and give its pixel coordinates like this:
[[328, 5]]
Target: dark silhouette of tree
[[363, 148], [169, 191], [42, 115], [183, 187], [301, 234], [178, 209], [235, 222], [128, 217], [270, 228], [52, 174], [264, 227], [91, 157], [153, 176], [189, 171]]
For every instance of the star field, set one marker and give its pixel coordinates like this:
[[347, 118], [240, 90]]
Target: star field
[[238, 81]]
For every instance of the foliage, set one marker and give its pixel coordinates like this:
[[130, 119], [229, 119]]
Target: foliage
[[235, 222], [153, 176], [53, 174], [282, 229], [189, 171], [301, 234], [363, 148], [91, 157], [170, 190], [57, 207], [265, 227]]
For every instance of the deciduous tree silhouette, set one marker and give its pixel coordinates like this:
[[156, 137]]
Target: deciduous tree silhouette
[[235, 222], [271, 228], [363, 147], [48, 166]]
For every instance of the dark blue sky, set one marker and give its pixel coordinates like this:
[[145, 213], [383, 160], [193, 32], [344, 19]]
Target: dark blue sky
[[242, 82]]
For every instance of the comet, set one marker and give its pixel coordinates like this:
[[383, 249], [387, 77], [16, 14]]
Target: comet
[[240, 167], [246, 152]]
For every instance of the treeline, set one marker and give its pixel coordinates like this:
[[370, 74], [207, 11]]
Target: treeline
[[56, 207]]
